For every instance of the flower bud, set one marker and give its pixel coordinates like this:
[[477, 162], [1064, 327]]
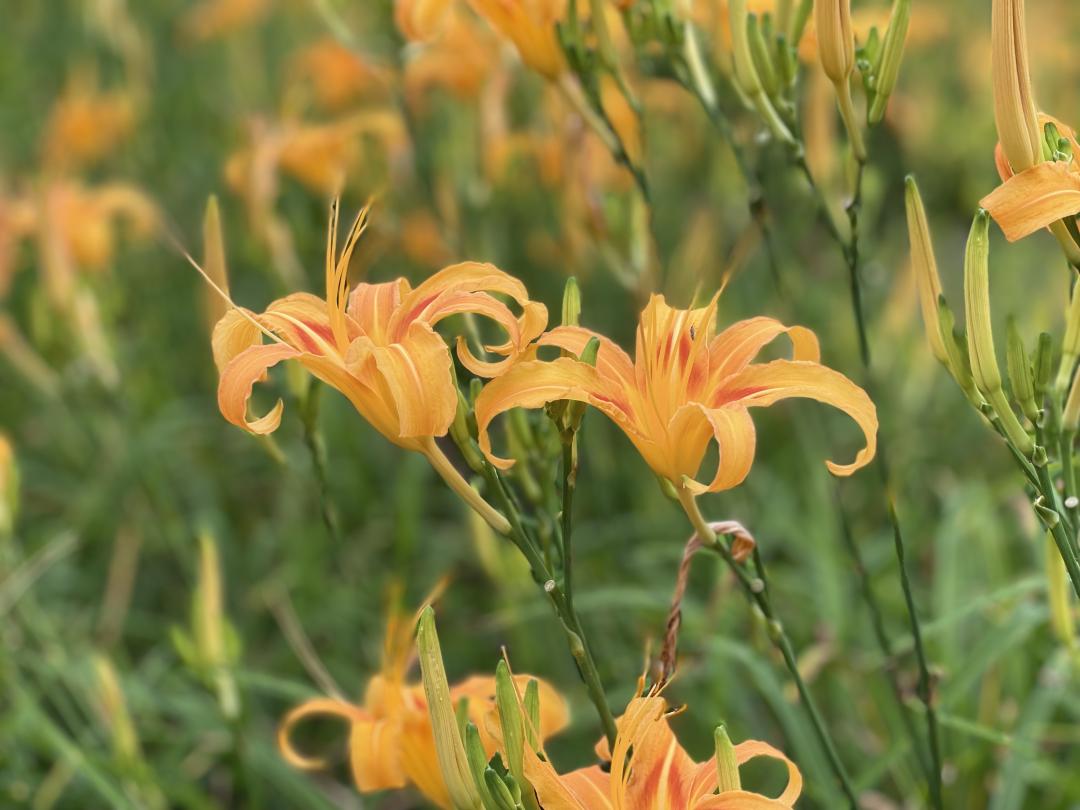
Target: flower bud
[[453, 762], [114, 712], [1020, 376], [746, 73], [980, 336], [759, 51], [1070, 344], [925, 266], [1044, 355], [9, 487], [888, 64], [571, 303], [1014, 104], [214, 264], [956, 349], [727, 765], [836, 39]]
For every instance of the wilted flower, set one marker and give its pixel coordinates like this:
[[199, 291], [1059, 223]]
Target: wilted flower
[[647, 769], [686, 387], [391, 742]]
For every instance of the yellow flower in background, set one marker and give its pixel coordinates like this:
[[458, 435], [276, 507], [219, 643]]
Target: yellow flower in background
[[211, 19], [86, 125], [647, 769], [336, 75], [391, 743], [420, 20], [686, 387], [530, 25]]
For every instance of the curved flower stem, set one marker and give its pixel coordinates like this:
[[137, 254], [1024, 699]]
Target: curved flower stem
[[757, 592], [464, 490], [560, 602]]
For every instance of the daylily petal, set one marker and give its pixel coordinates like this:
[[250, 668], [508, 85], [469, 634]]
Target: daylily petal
[[555, 792], [422, 303], [371, 305], [740, 800], [733, 431], [235, 332], [751, 749], [533, 384], [240, 375], [734, 348], [302, 321], [416, 372], [611, 360], [1034, 199], [373, 743], [761, 386]]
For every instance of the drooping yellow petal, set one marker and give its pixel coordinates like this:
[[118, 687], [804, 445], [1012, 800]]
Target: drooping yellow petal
[[1033, 199], [240, 375], [611, 361], [733, 431], [232, 334], [752, 749], [533, 384], [763, 385]]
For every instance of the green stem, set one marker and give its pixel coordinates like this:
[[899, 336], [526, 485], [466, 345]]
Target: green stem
[[563, 606], [758, 594], [309, 416], [566, 516]]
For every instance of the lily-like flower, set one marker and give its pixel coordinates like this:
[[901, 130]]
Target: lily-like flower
[[1039, 196], [649, 770], [1014, 102], [686, 387], [87, 124], [530, 25], [391, 743], [377, 345], [420, 20]]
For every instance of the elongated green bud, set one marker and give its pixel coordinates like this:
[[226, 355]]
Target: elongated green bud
[[980, 335], [759, 51], [513, 727], [956, 351], [888, 64], [1070, 345], [531, 702], [727, 766], [571, 303], [453, 761], [1020, 377], [504, 792], [9, 486], [746, 74], [1044, 357], [1070, 416], [478, 764]]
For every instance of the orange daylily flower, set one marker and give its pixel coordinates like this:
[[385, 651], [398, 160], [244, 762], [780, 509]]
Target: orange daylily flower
[[336, 75], [377, 345], [459, 60], [686, 387], [420, 20], [1039, 196], [530, 25], [649, 770], [391, 743], [211, 19], [87, 124]]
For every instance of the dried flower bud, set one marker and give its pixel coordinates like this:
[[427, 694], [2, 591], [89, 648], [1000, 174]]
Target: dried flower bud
[[1014, 105]]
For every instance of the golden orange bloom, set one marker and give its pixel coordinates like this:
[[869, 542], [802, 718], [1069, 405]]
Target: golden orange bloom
[[459, 60], [420, 20], [1014, 102], [649, 770], [86, 125], [216, 18], [391, 743], [686, 387], [530, 25], [337, 75]]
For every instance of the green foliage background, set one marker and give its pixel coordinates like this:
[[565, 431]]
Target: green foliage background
[[153, 462]]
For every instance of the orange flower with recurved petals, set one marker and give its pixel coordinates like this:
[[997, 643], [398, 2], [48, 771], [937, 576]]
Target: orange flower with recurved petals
[[377, 346], [530, 25], [686, 387], [648, 770], [391, 743]]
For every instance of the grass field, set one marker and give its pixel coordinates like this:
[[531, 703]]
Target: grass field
[[171, 585]]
